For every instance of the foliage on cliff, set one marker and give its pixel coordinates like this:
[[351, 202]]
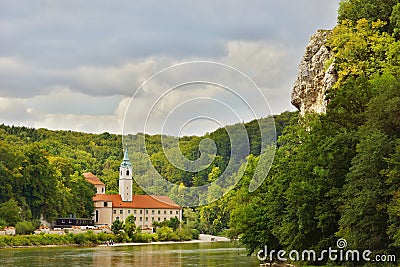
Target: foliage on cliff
[[337, 175]]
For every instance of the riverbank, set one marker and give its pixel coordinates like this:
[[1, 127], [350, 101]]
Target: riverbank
[[202, 239], [87, 239]]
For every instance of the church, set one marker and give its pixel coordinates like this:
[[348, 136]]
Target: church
[[146, 209]]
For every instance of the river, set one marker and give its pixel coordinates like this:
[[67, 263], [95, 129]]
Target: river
[[175, 255]]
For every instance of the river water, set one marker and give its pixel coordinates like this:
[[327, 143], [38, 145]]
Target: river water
[[175, 255]]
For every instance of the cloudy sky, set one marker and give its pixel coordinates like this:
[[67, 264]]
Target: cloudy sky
[[79, 65]]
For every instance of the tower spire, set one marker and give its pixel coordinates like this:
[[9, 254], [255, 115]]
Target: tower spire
[[126, 162], [125, 177]]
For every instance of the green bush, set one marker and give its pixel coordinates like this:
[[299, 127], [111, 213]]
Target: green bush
[[142, 237], [166, 233], [3, 223], [121, 237], [195, 234], [88, 238], [103, 237], [24, 228], [184, 234]]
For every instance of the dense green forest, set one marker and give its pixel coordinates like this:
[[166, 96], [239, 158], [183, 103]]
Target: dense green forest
[[41, 170], [337, 175]]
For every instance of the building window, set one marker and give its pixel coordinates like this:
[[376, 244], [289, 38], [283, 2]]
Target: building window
[[134, 218], [102, 189], [177, 212], [105, 204], [165, 212], [158, 219], [152, 212], [141, 211], [117, 218], [140, 219], [165, 219], [127, 172], [120, 211], [97, 216], [129, 211], [115, 211], [159, 212], [152, 219], [147, 211], [134, 211], [147, 219], [170, 212]]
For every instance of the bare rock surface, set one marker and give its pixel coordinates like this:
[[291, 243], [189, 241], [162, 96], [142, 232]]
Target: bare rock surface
[[314, 76]]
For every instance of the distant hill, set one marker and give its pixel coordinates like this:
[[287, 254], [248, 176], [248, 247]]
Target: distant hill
[[55, 160]]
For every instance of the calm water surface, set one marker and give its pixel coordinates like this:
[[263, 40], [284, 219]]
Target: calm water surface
[[176, 255]]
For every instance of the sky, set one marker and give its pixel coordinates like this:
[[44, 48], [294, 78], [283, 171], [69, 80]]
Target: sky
[[105, 66]]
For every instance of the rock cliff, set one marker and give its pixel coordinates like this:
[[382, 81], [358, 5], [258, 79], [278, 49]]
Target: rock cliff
[[314, 78]]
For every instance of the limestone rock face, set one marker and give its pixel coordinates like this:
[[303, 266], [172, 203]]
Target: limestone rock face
[[314, 79]]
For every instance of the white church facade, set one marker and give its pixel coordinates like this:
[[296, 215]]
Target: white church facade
[[146, 209]]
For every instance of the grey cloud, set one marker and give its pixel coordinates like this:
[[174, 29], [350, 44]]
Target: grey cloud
[[103, 50], [70, 33]]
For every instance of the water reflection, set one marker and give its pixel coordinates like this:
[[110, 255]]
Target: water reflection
[[176, 255]]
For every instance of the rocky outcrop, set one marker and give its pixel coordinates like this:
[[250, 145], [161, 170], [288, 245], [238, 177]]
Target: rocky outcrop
[[314, 79]]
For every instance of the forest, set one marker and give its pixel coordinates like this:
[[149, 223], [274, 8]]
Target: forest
[[41, 170], [334, 175], [337, 175]]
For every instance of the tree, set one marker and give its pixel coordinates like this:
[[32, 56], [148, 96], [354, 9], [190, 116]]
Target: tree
[[40, 183], [392, 174], [117, 226], [129, 226], [10, 212], [372, 10], [174, 223], [364, 217], [395, 21], [190, 218]]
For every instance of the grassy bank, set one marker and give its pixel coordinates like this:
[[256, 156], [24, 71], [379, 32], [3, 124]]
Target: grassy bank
[[84, 239], [90, 239]]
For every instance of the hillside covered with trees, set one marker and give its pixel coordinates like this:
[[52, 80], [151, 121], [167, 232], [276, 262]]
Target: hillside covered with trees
[[41, 170]]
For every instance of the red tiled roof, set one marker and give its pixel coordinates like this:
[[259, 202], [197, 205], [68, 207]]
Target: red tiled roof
[[93, 179], [139, 202]]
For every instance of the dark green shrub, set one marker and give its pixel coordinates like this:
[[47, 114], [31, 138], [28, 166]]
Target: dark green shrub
[[24, 228]]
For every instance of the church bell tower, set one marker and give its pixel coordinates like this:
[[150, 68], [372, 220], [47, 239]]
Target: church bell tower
[[125, 178]]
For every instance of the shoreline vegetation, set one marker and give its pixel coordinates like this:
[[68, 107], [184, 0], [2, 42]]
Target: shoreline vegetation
[[120, 232], [89, 239]]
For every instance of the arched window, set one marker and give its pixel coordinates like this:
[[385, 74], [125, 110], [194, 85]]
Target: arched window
[[127, 172]]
